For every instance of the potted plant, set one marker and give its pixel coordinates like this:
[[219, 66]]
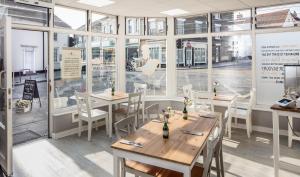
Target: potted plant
[[23, 106], [186, 102]]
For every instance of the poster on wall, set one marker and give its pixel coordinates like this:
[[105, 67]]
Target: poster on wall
[[71, 63], [273, 51]]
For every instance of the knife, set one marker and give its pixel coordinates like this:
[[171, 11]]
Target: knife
[[131, 143], [192, 133]]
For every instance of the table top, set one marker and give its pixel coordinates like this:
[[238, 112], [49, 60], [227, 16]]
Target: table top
[[223, 97], [288, 109], [179, 148], [108, 97]]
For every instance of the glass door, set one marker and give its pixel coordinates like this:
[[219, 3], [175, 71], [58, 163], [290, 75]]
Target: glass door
[[5, 96]]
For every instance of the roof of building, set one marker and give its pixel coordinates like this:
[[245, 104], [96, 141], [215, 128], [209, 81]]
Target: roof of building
[[59, 22], [275, 19]]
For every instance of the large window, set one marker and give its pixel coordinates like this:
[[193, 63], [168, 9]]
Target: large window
[[231, 21], [157, 26], [146, 63], [191, 25], [135, 26], [25, 14], [232, 56], [104, 23], [103, 63], [191, 62], [278, 16], [70, 18], [64, 86], [273, 51]]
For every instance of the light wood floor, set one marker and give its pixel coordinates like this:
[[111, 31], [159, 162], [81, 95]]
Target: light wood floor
[[76, 157]]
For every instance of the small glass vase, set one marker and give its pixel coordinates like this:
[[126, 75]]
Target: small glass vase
[[185, 113]]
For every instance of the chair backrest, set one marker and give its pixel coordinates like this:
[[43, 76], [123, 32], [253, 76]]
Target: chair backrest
[[134, 102], [187, 90], [150, 109], [211, 145], [203, 99], [83, 104], [138, 87], [125, 127], [149, 68]]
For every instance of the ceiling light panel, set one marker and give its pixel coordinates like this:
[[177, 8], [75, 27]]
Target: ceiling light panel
[[97, 3], [174, 12]]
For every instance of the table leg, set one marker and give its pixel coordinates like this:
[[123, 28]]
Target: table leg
[[276, 149], [110, 120], [187, 172], [116, 166]]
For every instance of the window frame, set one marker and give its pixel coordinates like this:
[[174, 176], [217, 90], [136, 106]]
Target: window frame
[[236, 31], [145, 26], [99, 13], [166, 27], [190, 16]]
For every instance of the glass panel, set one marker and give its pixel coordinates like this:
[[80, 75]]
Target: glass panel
[[232, 58], [25, 14], [65, 88], [135, 26], [157, 26], [191, 62], [103, 63], [278, 16], [70, 18], [104, 23], [191, 25], [231, 21], [146, 64]]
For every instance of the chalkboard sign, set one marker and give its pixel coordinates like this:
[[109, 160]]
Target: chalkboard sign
[[31, 90]]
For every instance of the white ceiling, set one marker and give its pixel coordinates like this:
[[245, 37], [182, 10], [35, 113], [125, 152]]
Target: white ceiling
[[152, 8]]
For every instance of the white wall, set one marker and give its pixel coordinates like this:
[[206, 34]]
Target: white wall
[[30, 38]]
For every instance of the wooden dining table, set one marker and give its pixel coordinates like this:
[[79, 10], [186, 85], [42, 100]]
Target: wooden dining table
[[119, 97], [179, 152]]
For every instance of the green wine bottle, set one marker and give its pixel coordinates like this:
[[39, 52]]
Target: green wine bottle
[[113, 91], [185, 113], [165, 131]]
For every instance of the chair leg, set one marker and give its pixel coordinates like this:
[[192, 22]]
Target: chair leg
[[90, 124], [290, 132], [229, 127], [79, 127], [217, 159], [143, 116], [96, 122], [222, 162], [248, 127]]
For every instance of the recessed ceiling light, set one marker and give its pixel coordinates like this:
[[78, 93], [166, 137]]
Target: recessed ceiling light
[[98, 3], [174, 12]]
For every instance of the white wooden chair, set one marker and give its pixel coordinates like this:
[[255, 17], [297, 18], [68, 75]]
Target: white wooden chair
[[201, 101], [242, 113], [140, 88], [218, 154], [87, 114], [187, 90], [133, 107], [150, 110]]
